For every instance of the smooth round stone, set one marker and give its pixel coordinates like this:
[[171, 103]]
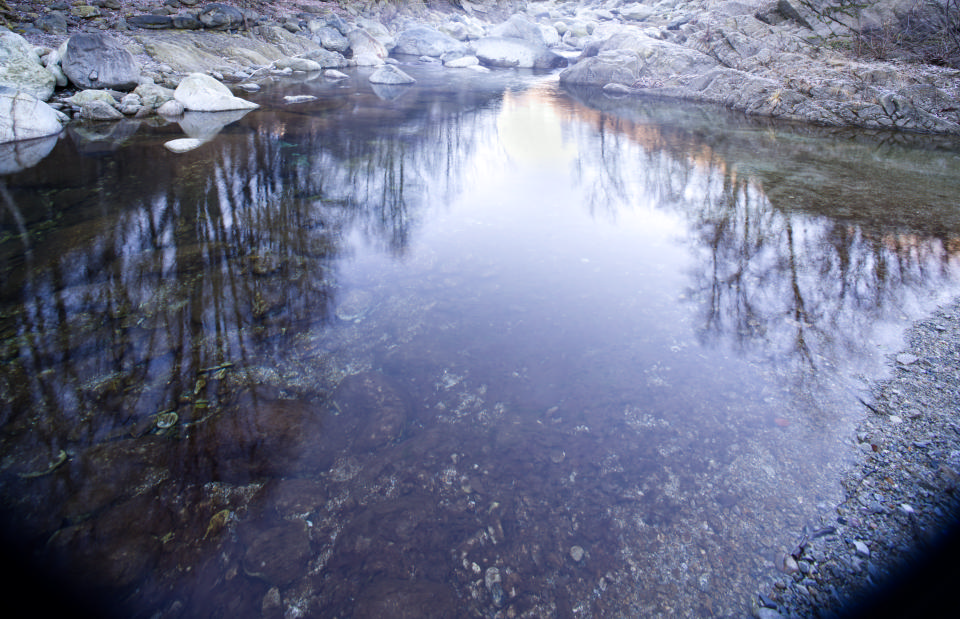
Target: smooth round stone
[[182, 145], [576, 553]]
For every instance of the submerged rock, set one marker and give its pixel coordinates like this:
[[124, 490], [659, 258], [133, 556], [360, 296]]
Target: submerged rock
[[279, 555], [389, 74]]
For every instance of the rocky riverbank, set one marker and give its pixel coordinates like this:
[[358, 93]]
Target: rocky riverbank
[[890, 547], [787, 59]]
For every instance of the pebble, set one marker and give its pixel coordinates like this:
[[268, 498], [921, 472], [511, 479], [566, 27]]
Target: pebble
[[298, 98], [861, 548], [249, 87], [906, 358], [576, 553]]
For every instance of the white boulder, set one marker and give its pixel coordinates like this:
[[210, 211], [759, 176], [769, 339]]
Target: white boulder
[[201, 93], [24, 117]]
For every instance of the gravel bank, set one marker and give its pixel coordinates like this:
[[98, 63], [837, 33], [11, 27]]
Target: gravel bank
[[891, 546]]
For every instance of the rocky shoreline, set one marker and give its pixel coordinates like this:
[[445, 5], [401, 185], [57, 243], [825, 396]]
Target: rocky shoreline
[[890, 547], [787, 59]]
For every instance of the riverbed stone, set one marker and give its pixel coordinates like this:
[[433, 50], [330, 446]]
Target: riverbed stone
[[367, 50], [329, 37], [279, 555], [25, 117], [298, 64], [21, 69], [426, 41], [389, 74], [151, 22], [327, 59], [218, 16], [97, 60], [201, 93], [519, 27], [153, 95], [516, 53], [183, 145], [374, 408]]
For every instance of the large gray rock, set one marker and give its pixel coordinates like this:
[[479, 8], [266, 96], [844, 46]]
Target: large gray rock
[[519, 27], [21, 69], [25, 117], [504, 52], [617, 66], [201, 93], [99, 110], [424, 41], [330, 38], [153, 95], [630, 57], [327, 59], [222, 17], [367, 50], [99, 61]]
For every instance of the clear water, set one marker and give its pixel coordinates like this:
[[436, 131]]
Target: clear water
[[470, 348]]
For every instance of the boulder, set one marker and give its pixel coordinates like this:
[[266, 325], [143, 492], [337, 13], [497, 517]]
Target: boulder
[[508, 53], [152, 95], [377, 31], [201, 93], [327, 59], [99, 61], [330, 38], [637, 12], [182, 145], [186, 21], [462, 28], [172, 108], [25, 117], [85, 97], [150, 22], [424, 41], [367, 50], [52, 23], [21, 69], [298, 64], [99, 110], [620, 66], [519, 27], [462, 62], [218, 16], [389, 74], [630, 56]]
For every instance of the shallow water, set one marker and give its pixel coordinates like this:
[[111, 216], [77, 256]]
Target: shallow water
[[468, 348]]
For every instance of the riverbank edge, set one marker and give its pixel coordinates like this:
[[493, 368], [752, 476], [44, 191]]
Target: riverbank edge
[[890, 547]]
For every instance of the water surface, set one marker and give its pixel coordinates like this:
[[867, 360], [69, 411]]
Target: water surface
[[470, 348]]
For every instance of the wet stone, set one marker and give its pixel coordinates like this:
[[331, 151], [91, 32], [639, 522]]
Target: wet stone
[[576, 553], [403, 599], [279, 555], [373, 408]]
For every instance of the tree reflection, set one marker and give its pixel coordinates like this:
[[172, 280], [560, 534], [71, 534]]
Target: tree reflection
[[802, 243]]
